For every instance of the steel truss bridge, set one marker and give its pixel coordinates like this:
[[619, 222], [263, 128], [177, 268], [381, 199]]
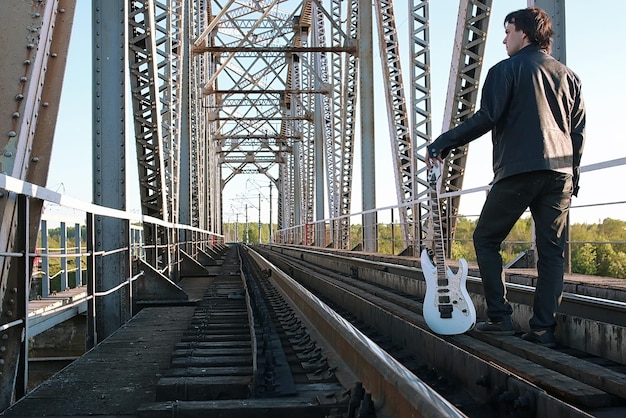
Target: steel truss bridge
[[220, 88]]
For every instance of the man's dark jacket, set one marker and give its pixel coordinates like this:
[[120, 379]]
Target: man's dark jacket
[[535, 108]]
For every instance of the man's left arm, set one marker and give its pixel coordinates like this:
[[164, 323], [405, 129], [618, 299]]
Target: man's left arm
[[577, 135]]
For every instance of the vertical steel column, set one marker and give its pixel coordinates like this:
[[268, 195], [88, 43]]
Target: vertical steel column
[[366, 99], [556, 10], [109, 157]]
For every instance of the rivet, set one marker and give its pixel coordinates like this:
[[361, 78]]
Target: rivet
[[61, 10], [12, 134], [26, 62], [23, 79], [14, 290], [11, 301], [5, 336], [36, 15], [3, 349], [16, 115], [8, 154], [45, 104], [30, 46], [54, 55], [9, 313], [33, 30], [19, 97], [35, 159]]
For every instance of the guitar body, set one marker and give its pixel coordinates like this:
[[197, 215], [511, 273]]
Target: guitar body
[[448, 309], [455, 313]]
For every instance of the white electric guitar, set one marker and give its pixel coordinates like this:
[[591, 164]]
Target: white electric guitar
[[448, 309]]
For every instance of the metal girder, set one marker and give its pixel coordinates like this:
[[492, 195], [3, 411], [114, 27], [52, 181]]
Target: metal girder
[[154, 92], [556, 10], [367, 112], [347, 117], [421, 107], [169, 25], [325, 140], [35, 39], [146, 108], [463, 87], [271, 66], [253, 93], [397, 114]]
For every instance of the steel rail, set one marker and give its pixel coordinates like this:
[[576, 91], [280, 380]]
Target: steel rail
[[588, 307], [463, 356], [400, 392]]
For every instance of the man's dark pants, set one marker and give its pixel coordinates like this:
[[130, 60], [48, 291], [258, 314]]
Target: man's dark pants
[[548, 195]]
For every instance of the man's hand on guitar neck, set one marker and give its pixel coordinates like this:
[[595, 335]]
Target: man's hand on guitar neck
[[431, 161]]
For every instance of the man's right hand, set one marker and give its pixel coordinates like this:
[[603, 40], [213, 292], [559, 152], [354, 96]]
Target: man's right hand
[[432, 159]]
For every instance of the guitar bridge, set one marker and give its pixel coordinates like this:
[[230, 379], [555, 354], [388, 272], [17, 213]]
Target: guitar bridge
[[445, 311]]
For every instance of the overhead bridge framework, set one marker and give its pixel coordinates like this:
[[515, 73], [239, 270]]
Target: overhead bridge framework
[[223, 88]]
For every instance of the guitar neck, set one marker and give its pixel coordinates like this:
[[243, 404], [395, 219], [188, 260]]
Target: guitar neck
[[439, 256]]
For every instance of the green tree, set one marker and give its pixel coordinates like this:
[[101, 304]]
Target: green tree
[[584, 259]]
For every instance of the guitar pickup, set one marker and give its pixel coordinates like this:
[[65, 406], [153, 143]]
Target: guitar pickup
[[444, 299]]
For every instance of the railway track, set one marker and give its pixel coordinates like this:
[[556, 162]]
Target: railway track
[[283, 331], [247, 354], [481, 375]]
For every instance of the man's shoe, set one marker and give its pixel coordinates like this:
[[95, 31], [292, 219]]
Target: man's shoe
[[502, 327], [544, 337]]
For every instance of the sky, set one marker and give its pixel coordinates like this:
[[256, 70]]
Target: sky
[[594, 52]]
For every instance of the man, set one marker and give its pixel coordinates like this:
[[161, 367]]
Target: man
[[534, 107]]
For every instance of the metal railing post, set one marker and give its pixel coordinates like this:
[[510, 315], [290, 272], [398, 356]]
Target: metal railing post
[[130, 267], [77, 243], [45, 263], [22, 272], [92, 337], [63, 238]]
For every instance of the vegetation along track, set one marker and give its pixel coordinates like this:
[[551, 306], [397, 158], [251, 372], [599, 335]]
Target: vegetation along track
[[482, 375]]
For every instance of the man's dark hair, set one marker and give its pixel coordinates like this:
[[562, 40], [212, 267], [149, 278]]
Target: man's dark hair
[[535, 23]]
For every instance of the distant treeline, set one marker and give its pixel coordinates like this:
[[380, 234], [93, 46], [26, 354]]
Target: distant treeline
[[596, 249]]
